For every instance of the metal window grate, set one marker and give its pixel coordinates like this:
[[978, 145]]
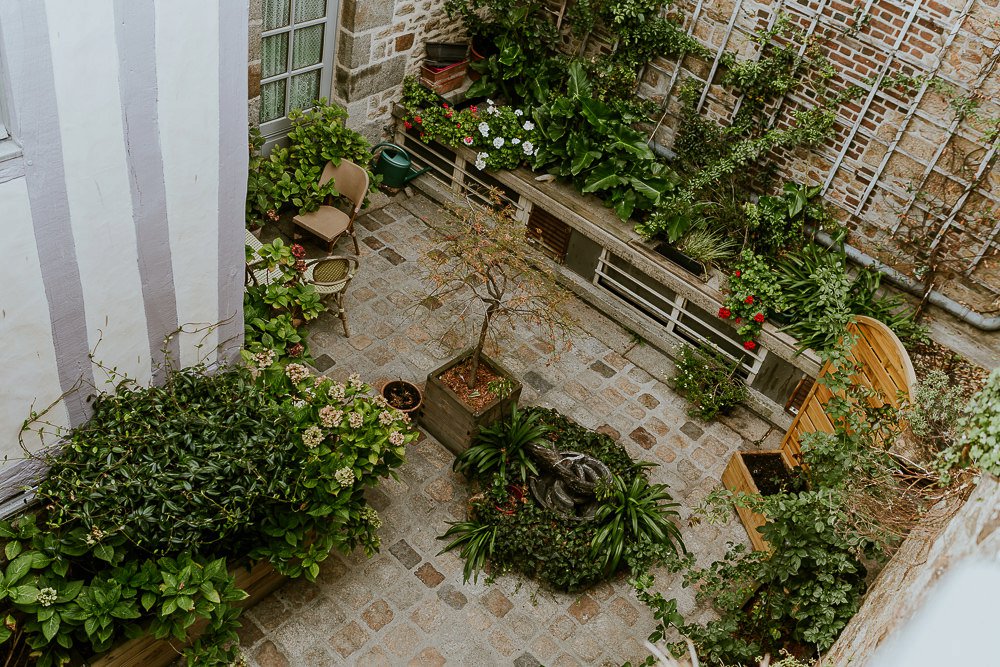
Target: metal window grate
[[550, 232]]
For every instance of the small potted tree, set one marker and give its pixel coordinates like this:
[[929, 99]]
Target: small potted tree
[[485, 264]]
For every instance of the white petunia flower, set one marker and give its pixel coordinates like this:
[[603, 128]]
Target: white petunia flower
[[484, 129], [490, 102], [515, 141], [527, 147], [518, 112], [528, 125], [480, 164], [498, 142], [467, 141]]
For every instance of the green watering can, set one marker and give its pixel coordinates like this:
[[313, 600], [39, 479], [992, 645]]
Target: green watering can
[[394, 165]]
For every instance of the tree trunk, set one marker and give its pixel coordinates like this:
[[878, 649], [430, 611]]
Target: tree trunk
[[478, 351]]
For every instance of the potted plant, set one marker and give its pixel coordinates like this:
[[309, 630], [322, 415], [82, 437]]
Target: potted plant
[[484, 259], [402, 395]]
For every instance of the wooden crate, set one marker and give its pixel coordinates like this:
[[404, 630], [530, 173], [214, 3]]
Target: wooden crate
[[259, 582], [737, 479], [450, 420], [443, 79]]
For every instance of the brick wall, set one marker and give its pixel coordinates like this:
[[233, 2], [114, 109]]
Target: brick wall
[[897, 163]]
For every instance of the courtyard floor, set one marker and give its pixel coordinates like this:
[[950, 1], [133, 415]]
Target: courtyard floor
[[407, 605]]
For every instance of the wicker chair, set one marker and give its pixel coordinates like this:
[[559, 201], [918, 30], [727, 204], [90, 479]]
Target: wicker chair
[[257, 273], [329, 223], [331, 276]]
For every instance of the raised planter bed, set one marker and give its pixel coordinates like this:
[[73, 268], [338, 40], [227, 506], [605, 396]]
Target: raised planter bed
[[763, 473], [259, 581], [449, 419]]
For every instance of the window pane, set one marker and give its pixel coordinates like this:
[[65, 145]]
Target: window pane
[[308, 46], [274, 55], [307, 10], [275, 14], [272, 100], [305, 89]]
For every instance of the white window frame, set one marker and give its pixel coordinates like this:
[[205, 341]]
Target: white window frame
[[277, 128]]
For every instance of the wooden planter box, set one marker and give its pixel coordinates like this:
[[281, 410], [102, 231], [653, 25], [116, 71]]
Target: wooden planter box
[[259, 582], [737, 478], [449, 419], [443, 79]]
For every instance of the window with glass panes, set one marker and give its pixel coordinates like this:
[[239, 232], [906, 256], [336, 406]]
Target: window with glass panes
[[296, 58]]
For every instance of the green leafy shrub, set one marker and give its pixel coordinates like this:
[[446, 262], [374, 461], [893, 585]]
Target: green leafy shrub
[[752, 297], [513, 533], [636, 512], [979, 442], [501, 446], [289, 177], [707, 379], [148, 504]]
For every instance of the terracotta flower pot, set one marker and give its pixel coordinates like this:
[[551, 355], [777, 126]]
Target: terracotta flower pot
[[402, 395]]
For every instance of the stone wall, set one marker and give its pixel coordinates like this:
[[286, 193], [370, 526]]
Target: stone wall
[[380, 43], [931, 550]]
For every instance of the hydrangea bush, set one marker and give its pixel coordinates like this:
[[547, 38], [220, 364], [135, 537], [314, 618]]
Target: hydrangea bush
[[146, 507]]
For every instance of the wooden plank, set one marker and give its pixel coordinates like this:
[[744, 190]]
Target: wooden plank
[[736, 478]]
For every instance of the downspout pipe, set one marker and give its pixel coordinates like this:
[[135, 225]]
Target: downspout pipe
[[903, 281]]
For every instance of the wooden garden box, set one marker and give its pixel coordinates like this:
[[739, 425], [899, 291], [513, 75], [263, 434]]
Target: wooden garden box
[[737, 478], [449, 419], [259, 582]]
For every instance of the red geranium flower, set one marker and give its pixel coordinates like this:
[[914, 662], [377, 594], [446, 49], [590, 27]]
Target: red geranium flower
[[759, 317], [445, 105], [458, 125], [298, 252], [749, 344], [447, 115], [474, 109], [724, 313], [417, 119], [738, 274], [407, 124], [738, 320], [748, 300]]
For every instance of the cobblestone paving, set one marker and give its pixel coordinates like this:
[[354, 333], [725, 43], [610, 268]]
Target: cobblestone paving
[[408, 605]]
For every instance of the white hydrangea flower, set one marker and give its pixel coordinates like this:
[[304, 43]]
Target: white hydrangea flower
[[344, 476], [355, 381], [337, 391], [330, 416], [527, 147], [396, 438], [47, 596], [484, 129], [296, 372], [370, 516], [528, 125], [385, 418], [355, 419], [498, 142], [312, 436]]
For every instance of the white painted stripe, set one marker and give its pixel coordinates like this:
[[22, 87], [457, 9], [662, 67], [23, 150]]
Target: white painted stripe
[[27, 355], [187, 71], [97, 186]]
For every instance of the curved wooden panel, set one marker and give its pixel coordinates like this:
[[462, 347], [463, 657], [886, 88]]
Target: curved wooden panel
[[886, 369]]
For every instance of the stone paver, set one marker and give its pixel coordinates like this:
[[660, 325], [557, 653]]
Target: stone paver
[[408, 605]]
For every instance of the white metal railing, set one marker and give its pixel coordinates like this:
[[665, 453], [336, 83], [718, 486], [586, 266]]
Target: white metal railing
[[613, 279]]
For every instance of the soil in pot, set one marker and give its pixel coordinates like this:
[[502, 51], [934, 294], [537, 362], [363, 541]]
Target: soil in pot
[[477, 397], [768, 472], [401, 395]]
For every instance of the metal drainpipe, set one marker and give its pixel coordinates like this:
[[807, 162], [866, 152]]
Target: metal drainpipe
[[951, 306]]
